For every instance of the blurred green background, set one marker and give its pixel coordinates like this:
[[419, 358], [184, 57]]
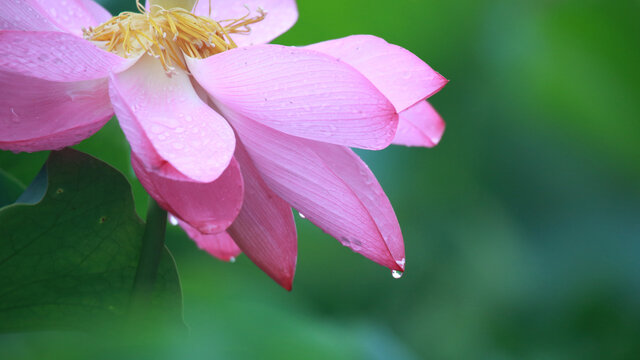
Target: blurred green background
[[522, 228]]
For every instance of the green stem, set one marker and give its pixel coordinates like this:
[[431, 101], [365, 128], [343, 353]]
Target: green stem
[[152, 247]]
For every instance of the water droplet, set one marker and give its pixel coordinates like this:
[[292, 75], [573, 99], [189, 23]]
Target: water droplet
[[302, 215], [173, 220], [14, 117], [157, 129], [396, 274], [232, 259]]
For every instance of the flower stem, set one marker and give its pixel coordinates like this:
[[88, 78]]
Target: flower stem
[[150, 254]]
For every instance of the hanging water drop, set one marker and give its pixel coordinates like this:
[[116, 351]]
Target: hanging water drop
[[396, 274], [173, 220], [232, 259], [302, 215]]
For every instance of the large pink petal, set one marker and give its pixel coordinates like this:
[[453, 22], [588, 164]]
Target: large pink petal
[[40, 115], [56, 56], [330, 185], [420, 125], [25, 16], [210, 207], [399, 75], [166, 123], [219, 245], [281, 15], [71, 15], [264, 229], [299, 92]]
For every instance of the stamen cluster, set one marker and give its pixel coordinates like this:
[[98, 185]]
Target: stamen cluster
[[167, 34]]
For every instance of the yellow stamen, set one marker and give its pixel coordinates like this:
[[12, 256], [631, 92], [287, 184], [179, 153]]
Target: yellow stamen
[[167, 34]]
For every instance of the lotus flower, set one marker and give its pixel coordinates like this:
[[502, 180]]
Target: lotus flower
[[227, 133]]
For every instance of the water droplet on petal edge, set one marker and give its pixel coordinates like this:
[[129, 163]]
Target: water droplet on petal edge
[[396, 274]]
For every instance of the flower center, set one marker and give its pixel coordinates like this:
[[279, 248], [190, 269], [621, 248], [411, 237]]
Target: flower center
[[168, 34]]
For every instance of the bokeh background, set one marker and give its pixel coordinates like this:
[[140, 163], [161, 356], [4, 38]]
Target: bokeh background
[[522, 228]]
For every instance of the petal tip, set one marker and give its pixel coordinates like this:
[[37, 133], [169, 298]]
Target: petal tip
[[286, 283]]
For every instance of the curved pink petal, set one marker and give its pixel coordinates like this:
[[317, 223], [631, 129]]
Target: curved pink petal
[[24, 16], [299, 92], [400, 75], [219, 245], [420, 125], [96, 11], [71, 15], [40, 115], [280, 16], [167, 124], [56, 56], [330, 185], [210, 208], [265, 229]]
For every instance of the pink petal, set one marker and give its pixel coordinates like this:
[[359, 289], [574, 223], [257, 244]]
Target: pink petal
[[420, 125], [330, 185], [25, 16], [96, 11], [281, 15], [168, 126], [299, 92], [210, 208], [220, 245], [56, 56], [400, 75], [264, 229], [40, 115], [71, 15]]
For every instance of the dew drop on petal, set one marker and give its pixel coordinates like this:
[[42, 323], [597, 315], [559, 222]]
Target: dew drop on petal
[[14, 117], [173, 220], [232, 259], [157, 129], [302, 215], [396, 274]]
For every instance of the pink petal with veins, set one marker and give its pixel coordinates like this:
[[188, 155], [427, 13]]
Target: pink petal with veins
[[170, 129], [56, 56], [264, 229], [220, 245], [299, 92], [38, 115], [209, 207], [25, 16], [71, 15], [281, 15], [400, 75], [420, 125], [330, 185]]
